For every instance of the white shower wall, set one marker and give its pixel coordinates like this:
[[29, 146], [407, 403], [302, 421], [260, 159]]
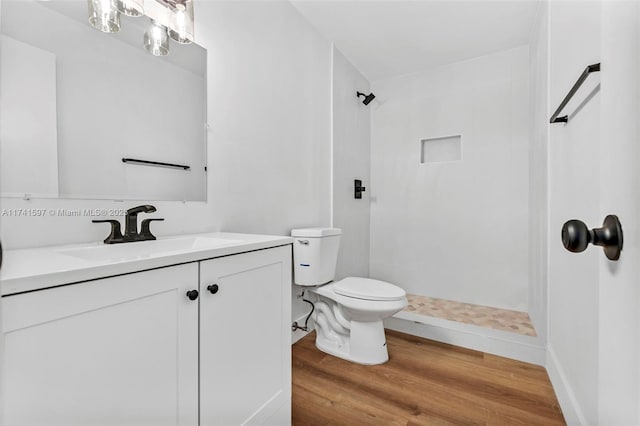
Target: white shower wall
[[351, 160], [539, 172], [454, 230]]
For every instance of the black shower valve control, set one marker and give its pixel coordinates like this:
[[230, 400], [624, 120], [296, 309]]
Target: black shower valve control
[[576, 236], [358, 189]]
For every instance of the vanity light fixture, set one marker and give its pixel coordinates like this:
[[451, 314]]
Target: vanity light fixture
[[103, 16], [156, 39], [130, 7], [169, 19], [179, 32]]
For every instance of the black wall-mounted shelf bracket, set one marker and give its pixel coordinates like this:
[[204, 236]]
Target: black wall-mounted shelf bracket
[[565, 118]]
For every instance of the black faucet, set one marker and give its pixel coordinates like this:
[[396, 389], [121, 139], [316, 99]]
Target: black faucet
[[131, 233], [131, 222]]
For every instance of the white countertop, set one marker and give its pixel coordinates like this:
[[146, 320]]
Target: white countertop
[[37, 268]]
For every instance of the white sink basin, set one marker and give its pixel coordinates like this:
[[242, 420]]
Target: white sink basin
[[146, 249]]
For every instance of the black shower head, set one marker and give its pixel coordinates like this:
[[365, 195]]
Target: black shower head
[[367, 98]]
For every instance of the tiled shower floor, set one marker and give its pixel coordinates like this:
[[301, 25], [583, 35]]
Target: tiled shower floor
[[483, 316]]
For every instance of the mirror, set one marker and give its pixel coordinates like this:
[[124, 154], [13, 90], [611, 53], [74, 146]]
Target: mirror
[[76, 102]]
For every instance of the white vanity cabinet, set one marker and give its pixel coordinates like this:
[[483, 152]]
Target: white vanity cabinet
[[245, 339], [134, 349], [114, 351]]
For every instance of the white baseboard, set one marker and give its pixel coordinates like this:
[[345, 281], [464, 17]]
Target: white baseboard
[[299, 334], [570, 408], [510, 345]]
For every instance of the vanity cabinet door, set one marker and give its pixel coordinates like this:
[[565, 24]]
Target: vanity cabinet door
[[245, 338], [115, 351]]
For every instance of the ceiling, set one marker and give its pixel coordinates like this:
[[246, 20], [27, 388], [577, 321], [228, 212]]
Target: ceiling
[[393, 37]]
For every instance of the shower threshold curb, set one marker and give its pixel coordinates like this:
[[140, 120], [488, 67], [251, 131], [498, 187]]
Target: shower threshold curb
[[497, 342]]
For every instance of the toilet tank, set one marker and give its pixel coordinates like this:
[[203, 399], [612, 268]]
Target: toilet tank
[[315, 254]]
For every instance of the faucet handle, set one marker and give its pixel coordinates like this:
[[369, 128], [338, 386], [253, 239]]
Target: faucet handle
[[145, 232], [116, 234]]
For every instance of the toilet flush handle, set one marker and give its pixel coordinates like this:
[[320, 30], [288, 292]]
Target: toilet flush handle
[[304, 242]]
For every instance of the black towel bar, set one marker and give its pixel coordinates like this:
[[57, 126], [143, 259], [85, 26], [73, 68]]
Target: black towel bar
[[588, 70], [155, 163]]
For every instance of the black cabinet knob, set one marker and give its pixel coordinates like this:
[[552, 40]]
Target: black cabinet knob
[[576, 236], [213, 288], [192, 294]]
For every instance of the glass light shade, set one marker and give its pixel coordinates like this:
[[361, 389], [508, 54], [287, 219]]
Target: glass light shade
[[130, 7], [103, 16], [156, 39], [179, 31]]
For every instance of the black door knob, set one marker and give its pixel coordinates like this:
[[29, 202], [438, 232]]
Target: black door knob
[[192, 294], [576, 236], [213, 288]]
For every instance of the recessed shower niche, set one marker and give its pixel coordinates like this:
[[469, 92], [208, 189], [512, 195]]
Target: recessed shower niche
[[441, 149]]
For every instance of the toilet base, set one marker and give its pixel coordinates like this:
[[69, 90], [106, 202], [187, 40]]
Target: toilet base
[[365, 344]]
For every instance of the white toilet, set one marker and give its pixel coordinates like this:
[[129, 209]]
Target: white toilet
[[348, 313]]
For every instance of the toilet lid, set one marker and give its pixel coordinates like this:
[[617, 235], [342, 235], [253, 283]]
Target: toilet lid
[[368, 289]]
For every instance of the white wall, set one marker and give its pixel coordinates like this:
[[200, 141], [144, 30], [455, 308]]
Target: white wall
[[594, 324], [269, 108], [268, 146], [574, 181], [454, 230], [538, 171], [1, 315], [351, 160], [619, 332]]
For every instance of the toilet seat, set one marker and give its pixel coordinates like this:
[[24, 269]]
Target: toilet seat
[[354, 303], [368, 289]]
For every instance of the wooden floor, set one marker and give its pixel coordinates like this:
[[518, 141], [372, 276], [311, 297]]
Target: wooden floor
[[424, 383]]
